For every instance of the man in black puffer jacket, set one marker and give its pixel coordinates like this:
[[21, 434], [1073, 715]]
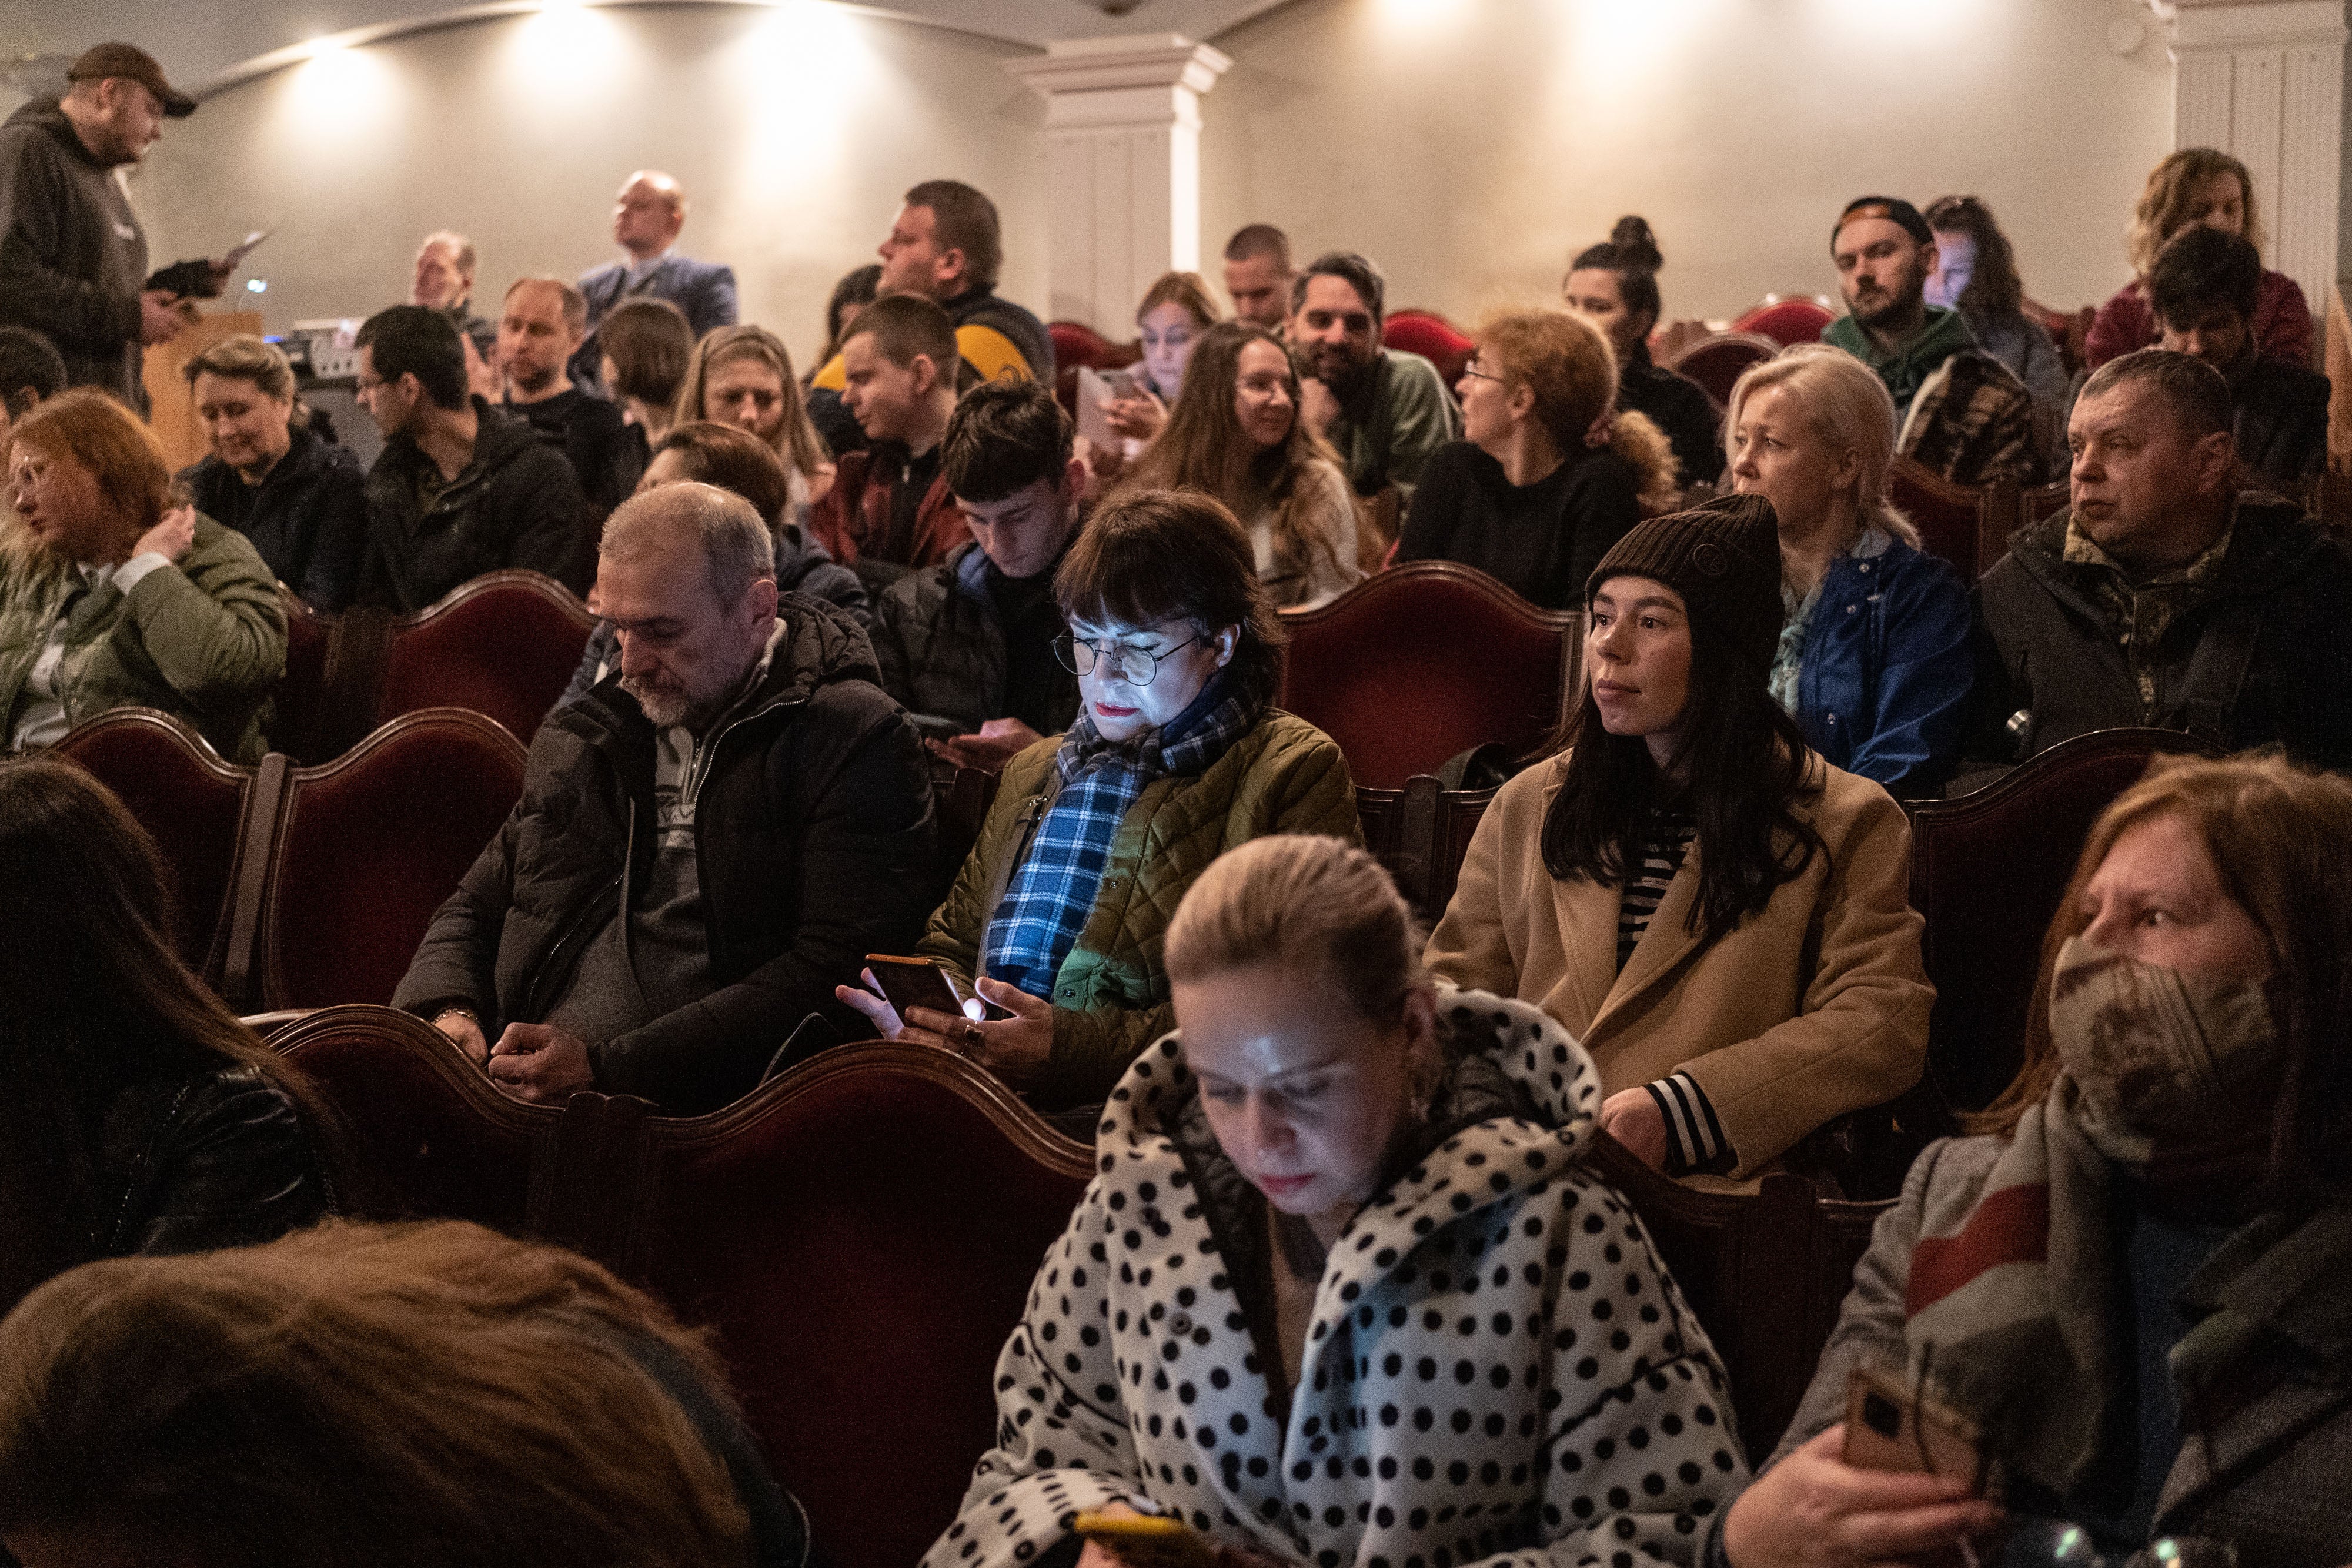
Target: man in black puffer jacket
[[706, 843]]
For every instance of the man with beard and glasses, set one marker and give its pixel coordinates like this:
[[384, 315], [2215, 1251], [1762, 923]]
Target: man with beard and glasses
[[1384, 410], [539, 327], [719, 829], [1964, 414]]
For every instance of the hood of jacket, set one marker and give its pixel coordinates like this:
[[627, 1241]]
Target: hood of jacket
[[798, 553], [2271, 547], [499, 439], [48, 114], [820, 644]]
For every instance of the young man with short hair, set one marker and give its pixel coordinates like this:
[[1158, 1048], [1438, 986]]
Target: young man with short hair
[[889, 510], [1257, 276], [31, 369], [460, 488], [540, 327], [1385, 410], [2203, 288], [967, 646]]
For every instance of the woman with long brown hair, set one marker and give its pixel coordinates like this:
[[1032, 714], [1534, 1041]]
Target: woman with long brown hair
[[2130, 1282], [1236, 433], [2198, 185], [137, 1114], [743, 376]]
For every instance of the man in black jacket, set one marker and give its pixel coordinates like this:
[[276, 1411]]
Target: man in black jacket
[[459, 489], [706, 843], [2203, 288], [2162, 596], [539, 326]]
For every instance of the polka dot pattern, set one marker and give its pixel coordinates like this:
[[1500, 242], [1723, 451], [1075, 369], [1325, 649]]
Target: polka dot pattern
[[1497, 1370]]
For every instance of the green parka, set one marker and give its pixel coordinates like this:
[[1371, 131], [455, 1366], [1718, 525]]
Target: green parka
[[1110, 997]]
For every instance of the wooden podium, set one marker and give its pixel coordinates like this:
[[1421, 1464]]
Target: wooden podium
[[173, 414]]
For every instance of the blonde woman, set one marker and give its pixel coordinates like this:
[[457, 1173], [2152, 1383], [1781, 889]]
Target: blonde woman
[[1874, 660], [2198, 185], [1541, 485], [742, 376]]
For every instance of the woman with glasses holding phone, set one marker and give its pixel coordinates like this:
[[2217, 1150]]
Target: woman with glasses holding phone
[[1178, 755]]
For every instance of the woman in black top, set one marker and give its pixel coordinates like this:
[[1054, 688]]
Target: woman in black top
[[1544, 482], [1616, 284]]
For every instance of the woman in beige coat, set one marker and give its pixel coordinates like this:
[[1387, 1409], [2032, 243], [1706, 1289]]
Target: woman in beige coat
[[1719, 917]]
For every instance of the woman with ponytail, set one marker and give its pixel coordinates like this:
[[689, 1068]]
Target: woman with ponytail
[[1616, 284]]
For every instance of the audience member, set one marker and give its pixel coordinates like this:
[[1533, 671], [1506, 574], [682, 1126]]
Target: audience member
[[890, 511], [1322, 1085], [967, 646], [73, 258], [2129, 1279], [2198, 185], [371, 1395], [108, 601], [443, 280], [647, 215], [2162, 596], [1175, 311], [137, 1114], [1722, 918], [856, 290], [1976, 275], [1528, 496], [1258, 275], [740, 463], [460, 489], [1874, 660], [538, 332], [642, 347], [1616, 284], [1384, 410], [31, 369], [742, 376], [1178, 755], [945, 246], [1236, 434], [301, 500], [702, 843], [2204, 288], [1962, 412]]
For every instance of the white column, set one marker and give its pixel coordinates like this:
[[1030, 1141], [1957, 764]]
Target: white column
[[2264, 80], [1122, 167]]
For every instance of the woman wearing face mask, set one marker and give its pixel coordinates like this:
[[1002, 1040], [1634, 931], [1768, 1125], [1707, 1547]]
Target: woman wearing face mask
[[1174, 313], [1177, 756], [1721, 917], [1874, 659], [742, 376], [2196, 185], [1389, 1311], [2132, 1278], [1236, 433]]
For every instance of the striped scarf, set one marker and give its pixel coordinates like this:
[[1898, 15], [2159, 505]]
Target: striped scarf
[[1046, 905]]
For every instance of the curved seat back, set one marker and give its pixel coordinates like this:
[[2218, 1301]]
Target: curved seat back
[[1717, 362], [1788, 320], [1949, 517], [1432, 336], [505, 645]]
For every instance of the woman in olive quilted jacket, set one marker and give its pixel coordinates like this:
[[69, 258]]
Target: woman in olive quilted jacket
[[1177, 756]]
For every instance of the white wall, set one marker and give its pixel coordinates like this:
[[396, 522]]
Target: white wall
[[1472, 146], [794, 131]]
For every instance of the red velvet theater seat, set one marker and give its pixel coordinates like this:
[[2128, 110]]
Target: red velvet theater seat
[[1988, 871], [1717, 362], [190, 803], [862, 1232], [302, 710], [1432, 336], [1949, 517], [368, 845], [504, 645], [1787, 319], [1430, 659]]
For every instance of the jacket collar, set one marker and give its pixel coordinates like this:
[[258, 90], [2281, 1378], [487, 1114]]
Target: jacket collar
[[2270, 546]]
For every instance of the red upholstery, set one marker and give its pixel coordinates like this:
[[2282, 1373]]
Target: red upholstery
[[862, 1232], [188, 800], [1421, 662], [2045, 501], [1947, 515], [1717, 362], [1787, 320], [504, 645], [301, 708], [1988, 871], [368, 847], [1076, 344], [1432, 336]]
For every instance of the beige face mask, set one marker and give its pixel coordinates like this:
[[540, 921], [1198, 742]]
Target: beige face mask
[[2154, 1051]]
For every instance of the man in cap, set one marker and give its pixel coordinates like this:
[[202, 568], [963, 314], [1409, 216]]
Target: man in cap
[[73, 260], [1960, 411]]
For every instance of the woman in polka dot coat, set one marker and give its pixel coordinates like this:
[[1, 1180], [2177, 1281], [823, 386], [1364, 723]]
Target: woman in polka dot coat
[[1473, 1356]]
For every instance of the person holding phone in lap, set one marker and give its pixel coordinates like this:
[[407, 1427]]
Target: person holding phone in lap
[[1177, 755]]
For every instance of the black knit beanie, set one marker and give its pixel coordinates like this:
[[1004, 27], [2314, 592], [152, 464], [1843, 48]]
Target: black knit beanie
[[1724, 559]]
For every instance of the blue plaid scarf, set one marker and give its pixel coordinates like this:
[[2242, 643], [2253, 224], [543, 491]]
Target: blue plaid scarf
[[1052, 891]]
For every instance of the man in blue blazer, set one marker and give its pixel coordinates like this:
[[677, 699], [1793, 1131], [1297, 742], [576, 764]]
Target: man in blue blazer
[[647, 218]]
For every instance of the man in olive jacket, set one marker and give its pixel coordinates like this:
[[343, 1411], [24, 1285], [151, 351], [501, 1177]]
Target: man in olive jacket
[[706, 842]]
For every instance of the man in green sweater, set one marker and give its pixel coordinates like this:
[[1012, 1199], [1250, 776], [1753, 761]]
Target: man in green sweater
[[1386, 411]]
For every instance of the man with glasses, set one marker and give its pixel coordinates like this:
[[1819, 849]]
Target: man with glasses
[[460, 489], [73, 260], [1385, 410]]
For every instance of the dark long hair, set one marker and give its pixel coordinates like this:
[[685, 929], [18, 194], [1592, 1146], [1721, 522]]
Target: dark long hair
[[1630, 252], [1747, 769], [93, 999], [1994, 288]]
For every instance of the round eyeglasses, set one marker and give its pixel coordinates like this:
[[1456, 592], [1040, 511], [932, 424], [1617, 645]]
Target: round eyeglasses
[[1136, 666]]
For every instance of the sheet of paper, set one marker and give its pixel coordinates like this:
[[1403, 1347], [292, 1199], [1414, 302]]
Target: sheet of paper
[[1093, 393], [235, 259]]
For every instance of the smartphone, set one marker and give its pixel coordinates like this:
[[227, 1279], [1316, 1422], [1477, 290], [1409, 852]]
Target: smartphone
[[1889, 1426], [1146, 1543], [926, 983], [1121, 385]]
